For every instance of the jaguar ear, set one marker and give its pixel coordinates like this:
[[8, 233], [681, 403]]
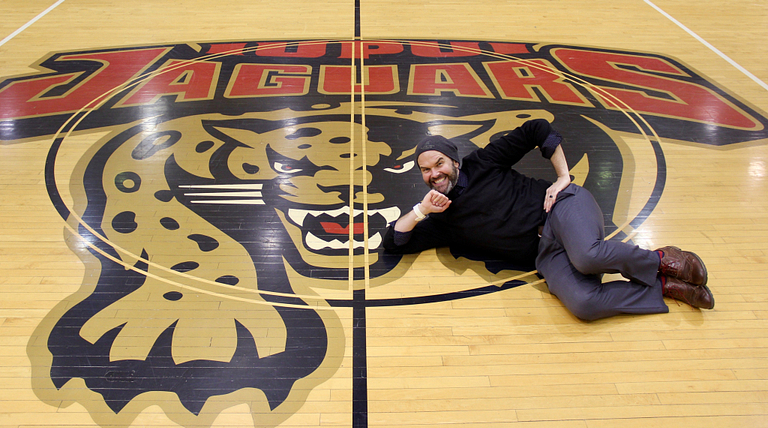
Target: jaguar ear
[[453, 130], [248, 161], [481, 127]]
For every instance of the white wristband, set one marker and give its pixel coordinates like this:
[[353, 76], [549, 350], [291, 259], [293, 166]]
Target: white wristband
[[419, 215]]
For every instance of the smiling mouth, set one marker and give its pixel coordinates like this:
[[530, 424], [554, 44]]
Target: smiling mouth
[[329, 230], [439, 181]]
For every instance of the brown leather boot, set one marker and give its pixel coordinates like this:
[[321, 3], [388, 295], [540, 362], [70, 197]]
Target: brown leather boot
[[698, 296], [683, 265]]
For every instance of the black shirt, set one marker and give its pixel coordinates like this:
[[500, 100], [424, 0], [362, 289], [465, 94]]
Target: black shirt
[[494, 209]]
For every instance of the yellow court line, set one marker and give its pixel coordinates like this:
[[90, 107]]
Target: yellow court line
[[364, 178], [351, 254], [99, 101]]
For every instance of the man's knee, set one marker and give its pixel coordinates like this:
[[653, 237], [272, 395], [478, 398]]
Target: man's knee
[[587, 313], [587, 262], [588, 308]]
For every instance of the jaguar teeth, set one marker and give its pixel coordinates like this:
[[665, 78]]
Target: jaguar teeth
[[299, 216], [317, 244]]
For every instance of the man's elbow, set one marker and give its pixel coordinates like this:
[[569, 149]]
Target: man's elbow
[[389, 241]]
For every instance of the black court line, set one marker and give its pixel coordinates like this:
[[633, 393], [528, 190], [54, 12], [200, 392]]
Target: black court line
[[359, 333], [358, 33], [359, 302], [359, 362]]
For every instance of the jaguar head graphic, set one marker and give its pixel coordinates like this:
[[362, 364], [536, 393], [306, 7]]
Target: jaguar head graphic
[[336, 179]]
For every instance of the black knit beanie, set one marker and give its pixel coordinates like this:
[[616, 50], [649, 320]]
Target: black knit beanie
[[439, 143]]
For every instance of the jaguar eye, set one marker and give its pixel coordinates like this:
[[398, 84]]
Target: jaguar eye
[[285, 169], [399, 169]]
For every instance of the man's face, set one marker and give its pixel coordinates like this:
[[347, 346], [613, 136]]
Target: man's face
[[438, 171]]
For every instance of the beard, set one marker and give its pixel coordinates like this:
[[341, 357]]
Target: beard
[[447, 185]]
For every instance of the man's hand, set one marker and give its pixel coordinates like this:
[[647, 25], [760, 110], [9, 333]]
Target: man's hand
[[554, 189], [563, 178], [434, 202]]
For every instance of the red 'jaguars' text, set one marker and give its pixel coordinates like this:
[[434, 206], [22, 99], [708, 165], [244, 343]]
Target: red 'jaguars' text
[[565, 75]]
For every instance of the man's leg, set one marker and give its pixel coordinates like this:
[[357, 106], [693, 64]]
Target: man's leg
[[573, 255], [576, 223], [589, 299]]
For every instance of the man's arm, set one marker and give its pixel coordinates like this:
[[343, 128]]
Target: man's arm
[[433, 202], [563, 177], [511, 147], [403, 237]]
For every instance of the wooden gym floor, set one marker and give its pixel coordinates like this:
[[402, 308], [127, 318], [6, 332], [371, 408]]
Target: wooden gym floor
[[113, 324]]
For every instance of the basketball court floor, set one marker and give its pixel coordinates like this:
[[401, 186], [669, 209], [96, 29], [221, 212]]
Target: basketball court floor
[[194, 196]]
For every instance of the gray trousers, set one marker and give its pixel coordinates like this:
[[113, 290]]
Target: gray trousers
[[573, 255]]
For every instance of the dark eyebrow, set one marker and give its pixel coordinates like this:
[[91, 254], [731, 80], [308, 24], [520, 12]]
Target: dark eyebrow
[[437, 162]]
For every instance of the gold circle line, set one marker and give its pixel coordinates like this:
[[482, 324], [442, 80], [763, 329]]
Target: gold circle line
[[100, 100]]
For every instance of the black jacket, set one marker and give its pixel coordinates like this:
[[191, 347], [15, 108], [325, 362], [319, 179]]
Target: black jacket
[[499, 211]]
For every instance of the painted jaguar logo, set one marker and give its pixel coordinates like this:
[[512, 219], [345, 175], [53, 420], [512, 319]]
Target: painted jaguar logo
[[237, 187]]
